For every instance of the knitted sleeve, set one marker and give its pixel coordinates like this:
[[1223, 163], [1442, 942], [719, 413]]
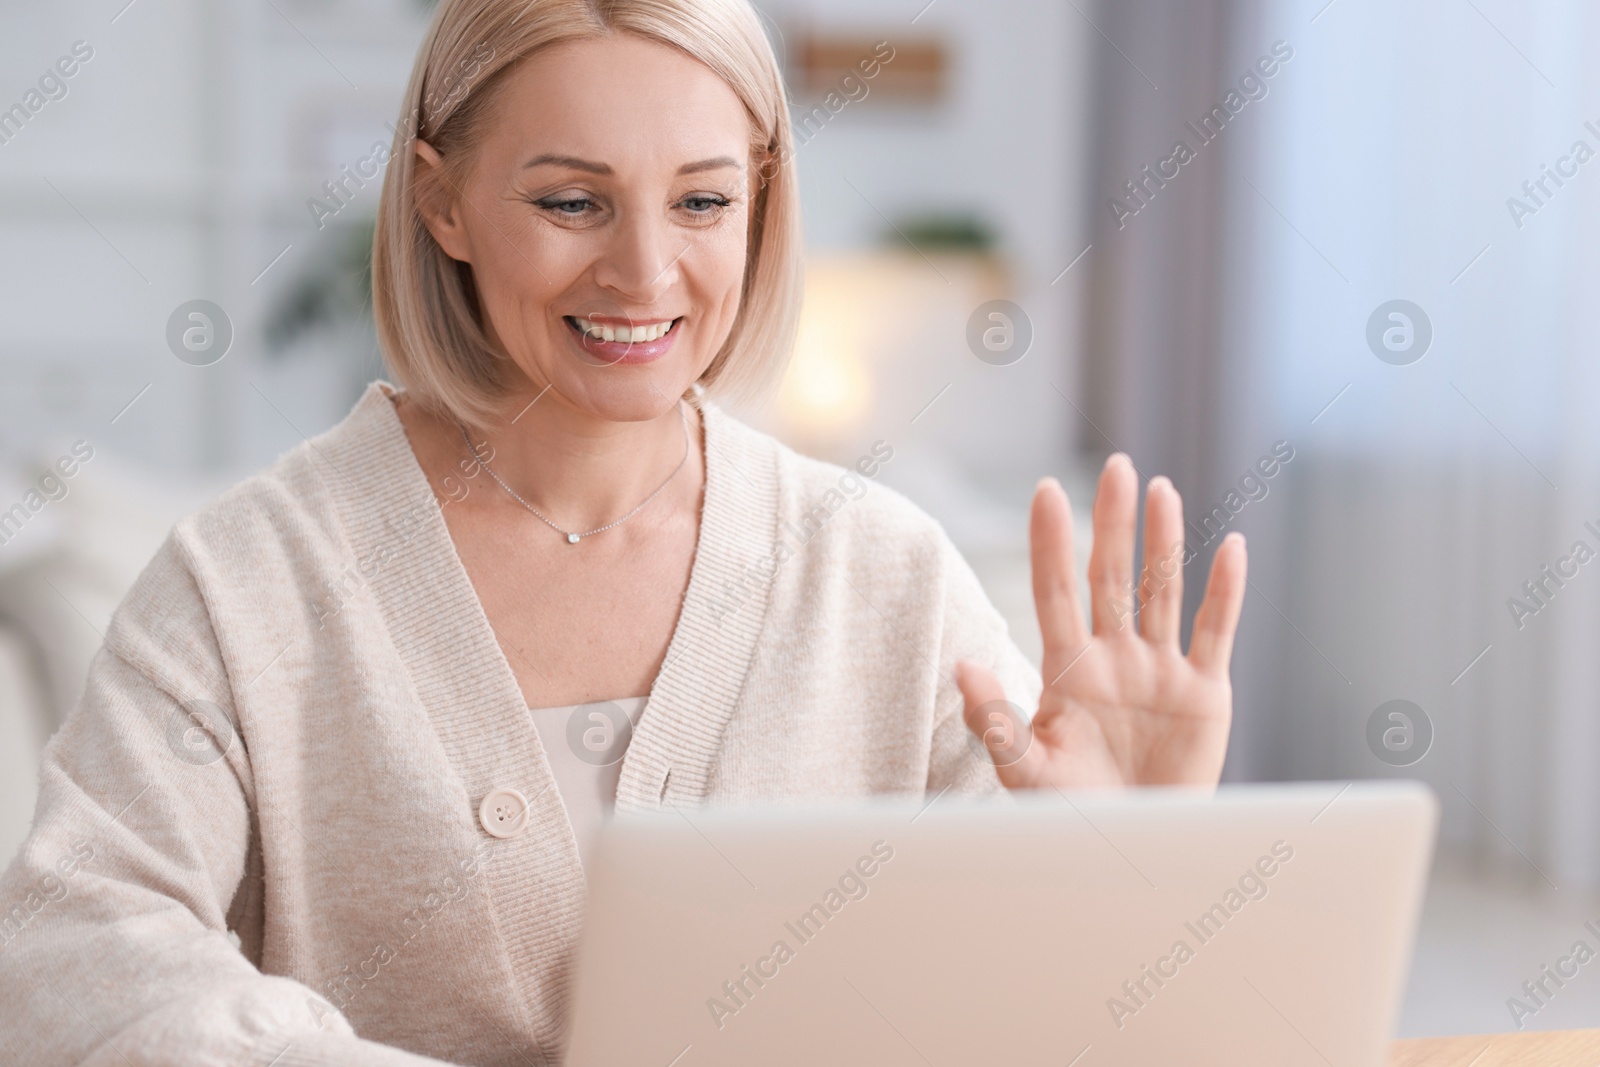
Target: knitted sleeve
[[114, 943], [972, 629]]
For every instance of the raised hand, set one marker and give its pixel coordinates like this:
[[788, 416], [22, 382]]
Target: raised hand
[[1119, 706]]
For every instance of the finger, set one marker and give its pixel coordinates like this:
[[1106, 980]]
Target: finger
[[1211, 645], [1005, 735], [1161, 583], [1055, 576], [1116, 506]]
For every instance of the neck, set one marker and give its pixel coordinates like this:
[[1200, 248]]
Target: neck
[[581, 471]]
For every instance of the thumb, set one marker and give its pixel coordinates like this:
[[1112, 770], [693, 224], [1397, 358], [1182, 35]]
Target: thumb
[[1000, 729]]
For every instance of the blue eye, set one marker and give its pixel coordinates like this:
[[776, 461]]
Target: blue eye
[[701, 205], [574, 206]]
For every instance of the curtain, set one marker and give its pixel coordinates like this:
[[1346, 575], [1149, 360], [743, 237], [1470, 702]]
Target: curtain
[[1384, 261]]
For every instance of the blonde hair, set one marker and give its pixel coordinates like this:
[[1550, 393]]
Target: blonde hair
[[425, 304]]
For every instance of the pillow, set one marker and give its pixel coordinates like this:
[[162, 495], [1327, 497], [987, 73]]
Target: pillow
[[66, 566]]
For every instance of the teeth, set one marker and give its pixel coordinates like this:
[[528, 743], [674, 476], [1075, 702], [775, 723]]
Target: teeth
[[646, 332]]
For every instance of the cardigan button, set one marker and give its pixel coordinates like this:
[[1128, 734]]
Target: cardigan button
[[503, 813]]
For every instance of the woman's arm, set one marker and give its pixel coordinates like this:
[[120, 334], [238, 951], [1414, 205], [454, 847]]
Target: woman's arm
[[973, 631], [114, 946]]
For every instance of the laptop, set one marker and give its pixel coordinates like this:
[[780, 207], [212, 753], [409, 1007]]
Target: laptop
[[1260, 926]]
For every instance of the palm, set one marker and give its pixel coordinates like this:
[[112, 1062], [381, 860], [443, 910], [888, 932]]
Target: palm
[[1119, 706]]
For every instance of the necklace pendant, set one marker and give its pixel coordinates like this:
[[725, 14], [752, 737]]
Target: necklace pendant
[[574, 538]]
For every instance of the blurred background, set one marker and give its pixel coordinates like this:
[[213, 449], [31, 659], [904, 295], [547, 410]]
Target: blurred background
[[1346, 242]]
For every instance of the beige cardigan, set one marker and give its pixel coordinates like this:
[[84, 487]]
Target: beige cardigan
[[328, 875]]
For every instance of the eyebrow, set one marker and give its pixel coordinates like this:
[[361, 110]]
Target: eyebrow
[[717, 163], [574, 163]]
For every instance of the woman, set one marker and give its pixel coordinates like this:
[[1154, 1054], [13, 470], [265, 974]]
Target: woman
[[303, 814]]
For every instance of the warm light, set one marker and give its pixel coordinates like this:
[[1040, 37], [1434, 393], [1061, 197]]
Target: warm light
[[881, 332], [828, 388]]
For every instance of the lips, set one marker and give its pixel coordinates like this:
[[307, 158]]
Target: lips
[[613, 340]]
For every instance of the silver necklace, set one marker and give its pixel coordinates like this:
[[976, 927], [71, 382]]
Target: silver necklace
[[574, 538]]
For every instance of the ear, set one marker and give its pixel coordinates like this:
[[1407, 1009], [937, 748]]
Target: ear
[[439, 203]]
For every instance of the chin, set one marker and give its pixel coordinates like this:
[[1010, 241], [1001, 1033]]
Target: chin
[[626, 394]]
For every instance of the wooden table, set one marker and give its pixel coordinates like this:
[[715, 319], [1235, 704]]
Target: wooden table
[[1556, 1048]]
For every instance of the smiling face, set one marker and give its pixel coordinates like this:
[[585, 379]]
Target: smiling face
[[605, 214]]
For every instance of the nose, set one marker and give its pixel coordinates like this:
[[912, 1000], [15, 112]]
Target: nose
[[641, 262]]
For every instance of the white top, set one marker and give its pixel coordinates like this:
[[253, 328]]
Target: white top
[[585, 744]]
